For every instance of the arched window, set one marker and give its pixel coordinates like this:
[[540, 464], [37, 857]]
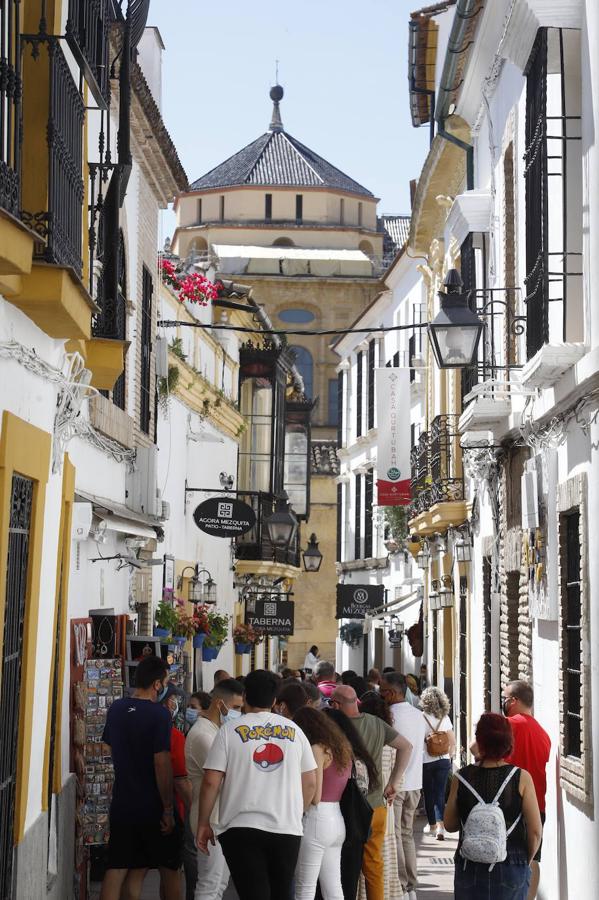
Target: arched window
[[366, 247], [303, 361], [283, 242], [198, 246]]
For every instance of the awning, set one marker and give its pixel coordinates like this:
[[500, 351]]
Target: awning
[[104, 507], [125, 526]]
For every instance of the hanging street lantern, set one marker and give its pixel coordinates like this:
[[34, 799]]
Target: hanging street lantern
[[455, 331], [446, 592], [281, 526], [312, 555], [462, 548], [423, 557], [200, 588]]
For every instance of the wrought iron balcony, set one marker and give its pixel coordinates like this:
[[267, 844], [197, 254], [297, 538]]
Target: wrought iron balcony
[[59, 225], [10, 106], [87, 35], [255, 544], [446, 486]]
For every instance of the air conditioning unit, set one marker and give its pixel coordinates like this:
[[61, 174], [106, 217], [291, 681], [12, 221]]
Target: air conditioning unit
[[142, 490], [82, 521], [161, 357]]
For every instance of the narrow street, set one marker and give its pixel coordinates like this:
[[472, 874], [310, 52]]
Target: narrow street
[[435, 869]]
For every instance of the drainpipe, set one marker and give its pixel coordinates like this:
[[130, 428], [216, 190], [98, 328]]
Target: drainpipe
[[465, 10]]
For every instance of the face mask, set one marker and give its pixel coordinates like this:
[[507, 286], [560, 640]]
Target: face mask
[[506, 706], [162, 694], [230, 715], [191, 715], [175, 710]]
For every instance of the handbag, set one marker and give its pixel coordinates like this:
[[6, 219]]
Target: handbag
[[437, 743], [356, 811]]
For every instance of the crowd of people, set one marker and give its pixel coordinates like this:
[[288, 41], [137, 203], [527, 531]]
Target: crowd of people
[[306, 784]]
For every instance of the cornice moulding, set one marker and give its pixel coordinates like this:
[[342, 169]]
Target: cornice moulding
[[470, 212], [530, 15]]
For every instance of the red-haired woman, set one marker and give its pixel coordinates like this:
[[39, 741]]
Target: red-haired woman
[[507, 880]]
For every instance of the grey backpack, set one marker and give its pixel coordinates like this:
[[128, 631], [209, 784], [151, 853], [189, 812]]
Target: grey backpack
[[484, 833]]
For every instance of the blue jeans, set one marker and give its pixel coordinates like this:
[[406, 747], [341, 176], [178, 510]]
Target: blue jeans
[[506, 881], [434, 784]]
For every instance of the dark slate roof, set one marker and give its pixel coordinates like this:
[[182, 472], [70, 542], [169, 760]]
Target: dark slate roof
[[278, 159], [396, 231], [324, 458]]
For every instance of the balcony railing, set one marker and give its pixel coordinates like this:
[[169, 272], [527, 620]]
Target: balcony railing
[[87, 36], [255, 544], [60, 224], [446, 486], [10, 105], [434, 470]]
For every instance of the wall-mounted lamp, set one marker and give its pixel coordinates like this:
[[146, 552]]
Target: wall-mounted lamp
[[281, 526], [201, 588], [312, 555]]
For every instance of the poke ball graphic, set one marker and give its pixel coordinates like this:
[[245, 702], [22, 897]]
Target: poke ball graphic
[[268, 757]]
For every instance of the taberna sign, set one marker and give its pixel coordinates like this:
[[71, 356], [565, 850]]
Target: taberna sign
[[224, 517], [270, 615], [355, 600]]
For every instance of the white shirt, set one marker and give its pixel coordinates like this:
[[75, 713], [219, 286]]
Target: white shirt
[[409, 722], [263, 757], [443, 724], [198, 742], [310, 661]]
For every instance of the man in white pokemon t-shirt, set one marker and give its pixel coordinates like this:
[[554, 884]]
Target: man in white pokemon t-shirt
[[266, 773]]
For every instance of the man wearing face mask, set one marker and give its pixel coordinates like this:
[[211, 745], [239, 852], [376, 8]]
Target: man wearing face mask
[[142, 825], [227, 700]]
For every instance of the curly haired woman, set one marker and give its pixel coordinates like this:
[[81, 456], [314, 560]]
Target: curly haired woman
[[436, 768]]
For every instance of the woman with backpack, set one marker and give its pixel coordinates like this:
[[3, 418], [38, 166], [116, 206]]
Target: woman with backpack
[[494, 806], [439, 747]]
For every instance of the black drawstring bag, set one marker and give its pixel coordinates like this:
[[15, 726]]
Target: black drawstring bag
[[356, 811]]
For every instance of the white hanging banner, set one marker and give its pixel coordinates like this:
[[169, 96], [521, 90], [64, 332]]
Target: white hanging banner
[[393, 444]]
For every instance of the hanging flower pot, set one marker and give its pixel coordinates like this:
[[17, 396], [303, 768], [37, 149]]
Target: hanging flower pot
[[209, 654], [198, 639], [179, 640], [161, 632], [243, 648]]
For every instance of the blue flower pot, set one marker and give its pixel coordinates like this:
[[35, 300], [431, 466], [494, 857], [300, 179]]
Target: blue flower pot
[[198, 640], [161, 632], [209, 654], [179, 640], [243, 648]]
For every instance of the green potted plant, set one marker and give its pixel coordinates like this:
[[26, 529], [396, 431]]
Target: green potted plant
[[165, 618], [351, 633], [217, 635]]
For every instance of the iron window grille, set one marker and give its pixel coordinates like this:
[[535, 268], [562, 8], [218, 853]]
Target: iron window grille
[[339, 522], [19, 535], [488, 634], [10, 106], [368, 517], [572, 639], [59, 226], [552, 155], [87, 35], [145, 380], [359, 398], [463, 683], [371, 364], [358, 518]]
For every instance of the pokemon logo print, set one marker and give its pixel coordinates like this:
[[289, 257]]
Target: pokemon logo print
[[268, 757], [265, 732]]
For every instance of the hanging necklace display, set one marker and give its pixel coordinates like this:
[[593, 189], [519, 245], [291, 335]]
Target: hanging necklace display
[[80, 631], [104, 634]]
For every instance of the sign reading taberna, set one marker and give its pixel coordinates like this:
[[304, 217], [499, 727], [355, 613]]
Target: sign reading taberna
[[270, 615], [355, 600], [225, 518]]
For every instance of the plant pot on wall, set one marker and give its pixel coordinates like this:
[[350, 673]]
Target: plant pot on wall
[[161, 632], [243, 648], [209, 654], [198, 640]]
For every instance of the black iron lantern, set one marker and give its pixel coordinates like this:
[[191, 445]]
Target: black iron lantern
[[282, 524], [462, 548], [312, 555], [456, 330]]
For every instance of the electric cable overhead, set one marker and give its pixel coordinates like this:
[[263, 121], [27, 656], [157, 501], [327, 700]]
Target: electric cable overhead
[[317, 332]]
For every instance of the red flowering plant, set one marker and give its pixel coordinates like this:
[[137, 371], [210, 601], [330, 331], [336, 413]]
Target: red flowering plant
[[200, 619], [247, 634], [193, 287]]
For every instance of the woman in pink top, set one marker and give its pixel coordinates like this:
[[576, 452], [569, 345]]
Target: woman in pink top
[[324, 828]]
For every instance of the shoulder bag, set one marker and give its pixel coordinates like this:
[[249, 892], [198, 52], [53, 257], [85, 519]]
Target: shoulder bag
[[356, 811]]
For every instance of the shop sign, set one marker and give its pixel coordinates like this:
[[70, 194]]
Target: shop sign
[[355, 600], [270, 615], [227, 518], [393, 441]]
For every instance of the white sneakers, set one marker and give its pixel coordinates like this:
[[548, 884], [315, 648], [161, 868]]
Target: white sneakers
[[440, 833], [409, 895], [426, 829]]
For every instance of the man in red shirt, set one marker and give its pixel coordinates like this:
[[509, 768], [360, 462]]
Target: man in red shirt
[[532, 746]]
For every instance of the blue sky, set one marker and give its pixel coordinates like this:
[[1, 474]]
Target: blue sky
[[343, 65]]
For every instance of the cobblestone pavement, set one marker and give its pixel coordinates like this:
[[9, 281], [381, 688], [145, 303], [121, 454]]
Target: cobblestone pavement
[[435, 870]]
